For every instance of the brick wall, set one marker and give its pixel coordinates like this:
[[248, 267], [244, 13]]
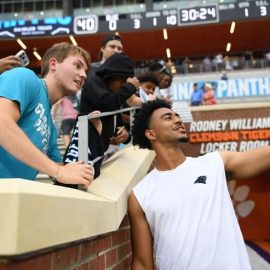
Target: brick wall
[[105, 252]]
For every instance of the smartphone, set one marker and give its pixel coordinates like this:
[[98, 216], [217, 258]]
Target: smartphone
[[23, 57], [117, 131]]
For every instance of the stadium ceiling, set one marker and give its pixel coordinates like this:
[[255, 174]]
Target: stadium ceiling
[[191, 41]]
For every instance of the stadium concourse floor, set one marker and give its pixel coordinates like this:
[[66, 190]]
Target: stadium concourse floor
[[259, 254]]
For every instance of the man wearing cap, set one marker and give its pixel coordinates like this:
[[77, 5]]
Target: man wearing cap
[[110, 45]]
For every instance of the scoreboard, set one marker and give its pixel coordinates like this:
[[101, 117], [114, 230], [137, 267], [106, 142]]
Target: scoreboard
[[243, 10], [171, 18]]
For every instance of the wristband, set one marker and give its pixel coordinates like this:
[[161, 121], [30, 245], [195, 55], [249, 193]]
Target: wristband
[[54, 178]]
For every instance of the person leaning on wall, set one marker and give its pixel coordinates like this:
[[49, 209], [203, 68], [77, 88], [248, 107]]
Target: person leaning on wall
[[110, 45], [181, 213], [28, 143]]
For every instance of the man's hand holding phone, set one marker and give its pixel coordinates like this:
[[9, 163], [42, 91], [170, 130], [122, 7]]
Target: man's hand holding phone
[[8, 63]]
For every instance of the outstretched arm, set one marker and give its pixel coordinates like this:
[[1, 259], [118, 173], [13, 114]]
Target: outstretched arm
[[15, 141], [9, 62], [142, 258], [246, 164]]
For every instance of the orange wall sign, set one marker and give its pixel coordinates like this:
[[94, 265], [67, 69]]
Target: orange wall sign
[[235, 134]]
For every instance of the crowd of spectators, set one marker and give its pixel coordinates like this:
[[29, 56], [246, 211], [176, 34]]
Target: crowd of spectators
[[28, 144], [214, 63], [111, 84], [203, 95]]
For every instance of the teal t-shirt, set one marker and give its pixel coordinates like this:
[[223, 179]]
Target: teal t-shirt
[[21, 85]]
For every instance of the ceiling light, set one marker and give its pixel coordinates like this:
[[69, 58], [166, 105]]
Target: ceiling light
[[165, 34], [36, 54], [228, 47], [168, 53], [232, 27], [21, 44], [74, 42]]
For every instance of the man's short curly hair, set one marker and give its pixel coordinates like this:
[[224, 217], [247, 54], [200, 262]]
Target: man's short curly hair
[[142, 120]]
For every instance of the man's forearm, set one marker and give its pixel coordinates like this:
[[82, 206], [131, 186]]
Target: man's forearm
[[247, 164], [15, 142]]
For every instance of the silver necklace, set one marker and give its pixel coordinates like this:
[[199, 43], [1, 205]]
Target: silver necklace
[[47, 91]]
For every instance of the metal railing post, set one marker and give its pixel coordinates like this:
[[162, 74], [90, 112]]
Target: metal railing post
[[83, 138], [83, 129]]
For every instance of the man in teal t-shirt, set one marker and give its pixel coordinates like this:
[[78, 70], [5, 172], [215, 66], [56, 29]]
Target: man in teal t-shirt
[[30, 93], [28, 138]]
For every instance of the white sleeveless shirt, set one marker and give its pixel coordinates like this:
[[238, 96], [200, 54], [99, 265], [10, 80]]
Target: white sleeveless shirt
[[191, 217]]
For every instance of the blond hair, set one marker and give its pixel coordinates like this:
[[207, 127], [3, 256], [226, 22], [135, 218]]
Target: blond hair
[[60, 51]]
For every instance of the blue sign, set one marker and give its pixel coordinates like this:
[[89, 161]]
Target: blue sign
[[241, 88], [35, 27]]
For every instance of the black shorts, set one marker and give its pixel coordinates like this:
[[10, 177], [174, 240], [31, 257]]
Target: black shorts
[[67, 125]]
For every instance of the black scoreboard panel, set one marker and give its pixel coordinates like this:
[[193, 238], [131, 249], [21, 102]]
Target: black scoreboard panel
[[198, 15], [126, 22], [178, 17], [244, 10], [137, 21]]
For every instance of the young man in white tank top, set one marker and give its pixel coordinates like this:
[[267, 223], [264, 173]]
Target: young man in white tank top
[[181, 213]]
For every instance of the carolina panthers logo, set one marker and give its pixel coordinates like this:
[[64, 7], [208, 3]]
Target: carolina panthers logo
[[201, 180]]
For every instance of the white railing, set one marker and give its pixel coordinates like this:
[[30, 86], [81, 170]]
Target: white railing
[[83, 129], [182, 108]]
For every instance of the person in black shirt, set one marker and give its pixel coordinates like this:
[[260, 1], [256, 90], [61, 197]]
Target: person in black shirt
[[107, 89]]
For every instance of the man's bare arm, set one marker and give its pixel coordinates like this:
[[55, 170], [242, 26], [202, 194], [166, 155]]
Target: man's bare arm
[[15, 141], [142, 248], [247, 164], [9, 62]]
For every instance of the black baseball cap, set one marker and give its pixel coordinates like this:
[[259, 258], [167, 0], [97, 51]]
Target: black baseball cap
[[108, 38]]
